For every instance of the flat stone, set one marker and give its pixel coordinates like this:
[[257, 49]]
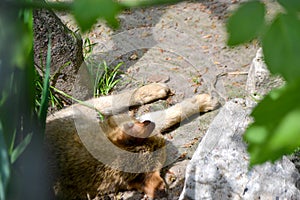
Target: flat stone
[[155, 78]]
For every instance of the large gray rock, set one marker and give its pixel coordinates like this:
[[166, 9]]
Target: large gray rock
[[219, 167]]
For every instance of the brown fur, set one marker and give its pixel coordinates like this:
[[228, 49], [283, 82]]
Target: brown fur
[[79, 173], [76, 139]]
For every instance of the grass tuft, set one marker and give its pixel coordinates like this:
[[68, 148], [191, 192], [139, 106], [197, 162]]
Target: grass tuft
[[107, 80]]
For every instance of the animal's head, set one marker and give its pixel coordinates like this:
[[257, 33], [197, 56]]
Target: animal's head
[[128, 131], [135, 132], [132, 135]]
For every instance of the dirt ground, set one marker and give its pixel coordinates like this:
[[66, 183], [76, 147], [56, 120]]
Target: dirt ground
[[183, 45]]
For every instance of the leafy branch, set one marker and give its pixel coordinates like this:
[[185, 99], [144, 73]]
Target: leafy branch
[[275, 131]]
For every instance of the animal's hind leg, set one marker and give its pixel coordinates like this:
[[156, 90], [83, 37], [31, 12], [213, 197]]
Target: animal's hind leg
[[165, 119]]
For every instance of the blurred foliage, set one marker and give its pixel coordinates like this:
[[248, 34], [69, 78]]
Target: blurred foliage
[[249, 19], [86, 12], [276, 128], [20, 125]]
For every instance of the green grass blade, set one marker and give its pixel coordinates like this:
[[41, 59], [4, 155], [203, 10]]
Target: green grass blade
[[115, 83], [45, 93], [114, 74], [5, 165], [20, 148], [52, 100], [118, 66], [105, 81], [58, 71], [12, 144], [98, 81], [77, 100]]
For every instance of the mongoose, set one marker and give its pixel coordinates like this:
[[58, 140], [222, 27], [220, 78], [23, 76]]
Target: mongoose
[[90, 158]]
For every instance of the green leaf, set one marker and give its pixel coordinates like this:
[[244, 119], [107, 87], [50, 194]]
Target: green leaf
[[275, 131], [281, 47], [5, 165], [290, 5], [86, 12], [246, 23], [256, 134], [287, 136]]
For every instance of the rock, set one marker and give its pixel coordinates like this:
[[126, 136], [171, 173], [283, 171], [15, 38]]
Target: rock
[[259, 80], [156, 78], [258, 74], [259, 83], [66, 50], [175, 178], [219, 167]]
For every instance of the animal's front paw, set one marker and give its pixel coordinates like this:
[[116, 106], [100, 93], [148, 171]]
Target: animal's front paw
[[206, 102], [151, 92]]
